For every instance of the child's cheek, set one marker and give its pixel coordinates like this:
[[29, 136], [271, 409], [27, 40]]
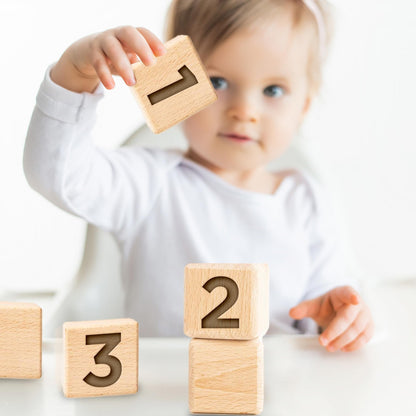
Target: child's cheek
[[201, 125]]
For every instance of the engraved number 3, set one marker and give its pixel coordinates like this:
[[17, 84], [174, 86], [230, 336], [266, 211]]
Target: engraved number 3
[[212, 320], [103, 357]]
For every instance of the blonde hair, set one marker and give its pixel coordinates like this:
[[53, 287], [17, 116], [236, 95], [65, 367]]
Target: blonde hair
[[210, 22]]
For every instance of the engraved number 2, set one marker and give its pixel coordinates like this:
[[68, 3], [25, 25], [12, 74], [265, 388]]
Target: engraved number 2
[[212, 320], [103, 357]]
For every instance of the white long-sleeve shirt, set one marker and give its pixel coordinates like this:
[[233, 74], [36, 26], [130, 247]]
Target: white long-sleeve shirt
[[166, 211]]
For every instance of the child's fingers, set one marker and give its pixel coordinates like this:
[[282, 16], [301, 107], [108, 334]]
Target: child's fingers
[[343, 319], [346, 294], [132, 57], [361, 340], [153, 41], [134, 41], [118, 57], [308, 308], [103, 71], [351, 333]]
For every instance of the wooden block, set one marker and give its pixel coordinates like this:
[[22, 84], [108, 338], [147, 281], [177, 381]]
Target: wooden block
[[20, 340], [226, 376], [101, 358], [174, 88], [226, 301]]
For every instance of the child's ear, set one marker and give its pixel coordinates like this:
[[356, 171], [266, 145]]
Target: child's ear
[[306, 107], [307, 104]]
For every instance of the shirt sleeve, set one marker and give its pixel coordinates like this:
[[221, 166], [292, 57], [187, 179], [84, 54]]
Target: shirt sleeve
[[111, 189], [328, 265]]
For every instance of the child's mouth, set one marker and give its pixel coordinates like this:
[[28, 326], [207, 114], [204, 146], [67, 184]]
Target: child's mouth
[[237, 137]]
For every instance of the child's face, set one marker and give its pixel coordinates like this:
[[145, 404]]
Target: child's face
[[260, 76]]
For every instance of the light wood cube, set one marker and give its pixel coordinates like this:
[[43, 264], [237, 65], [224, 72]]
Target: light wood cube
[[20, 340], [101, 358], [226, 301], [226, 376], [174, 88]]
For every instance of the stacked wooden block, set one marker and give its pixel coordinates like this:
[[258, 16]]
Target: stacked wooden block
[[226, 314]]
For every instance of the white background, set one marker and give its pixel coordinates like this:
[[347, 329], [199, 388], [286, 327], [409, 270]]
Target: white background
[[360, 133]]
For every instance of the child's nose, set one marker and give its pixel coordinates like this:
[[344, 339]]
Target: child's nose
[[243, 109]]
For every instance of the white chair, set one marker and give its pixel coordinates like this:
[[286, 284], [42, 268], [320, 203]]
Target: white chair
[[96, 291]]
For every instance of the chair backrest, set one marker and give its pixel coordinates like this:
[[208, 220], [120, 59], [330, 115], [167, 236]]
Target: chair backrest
[[96, 291]]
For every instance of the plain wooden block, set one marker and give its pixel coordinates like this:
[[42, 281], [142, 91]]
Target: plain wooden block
[[226, 376], [226, 301], [101, 358], [20, 340], [174, 88]]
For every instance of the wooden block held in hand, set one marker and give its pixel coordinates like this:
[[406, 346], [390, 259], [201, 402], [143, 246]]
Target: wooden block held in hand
[[226, 376], [20, 340], [101, 358], [226, 301], [174, 88]]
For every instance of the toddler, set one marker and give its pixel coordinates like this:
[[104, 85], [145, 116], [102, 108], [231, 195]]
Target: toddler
[[217, 202]]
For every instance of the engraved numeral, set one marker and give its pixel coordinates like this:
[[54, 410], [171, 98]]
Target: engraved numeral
[[188, 79], [103, 357], [212, 320]]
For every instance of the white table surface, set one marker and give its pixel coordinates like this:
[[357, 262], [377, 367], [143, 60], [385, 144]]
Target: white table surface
[[301, 377]]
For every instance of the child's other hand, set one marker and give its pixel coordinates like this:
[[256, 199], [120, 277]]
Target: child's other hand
[[98, 56], [345, 319]]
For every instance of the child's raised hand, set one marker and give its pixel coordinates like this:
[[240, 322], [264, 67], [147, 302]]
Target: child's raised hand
[[98, 56], [344, 317]]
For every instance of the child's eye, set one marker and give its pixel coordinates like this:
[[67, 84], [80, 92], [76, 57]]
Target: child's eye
[[274, 91], [218, 83]]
